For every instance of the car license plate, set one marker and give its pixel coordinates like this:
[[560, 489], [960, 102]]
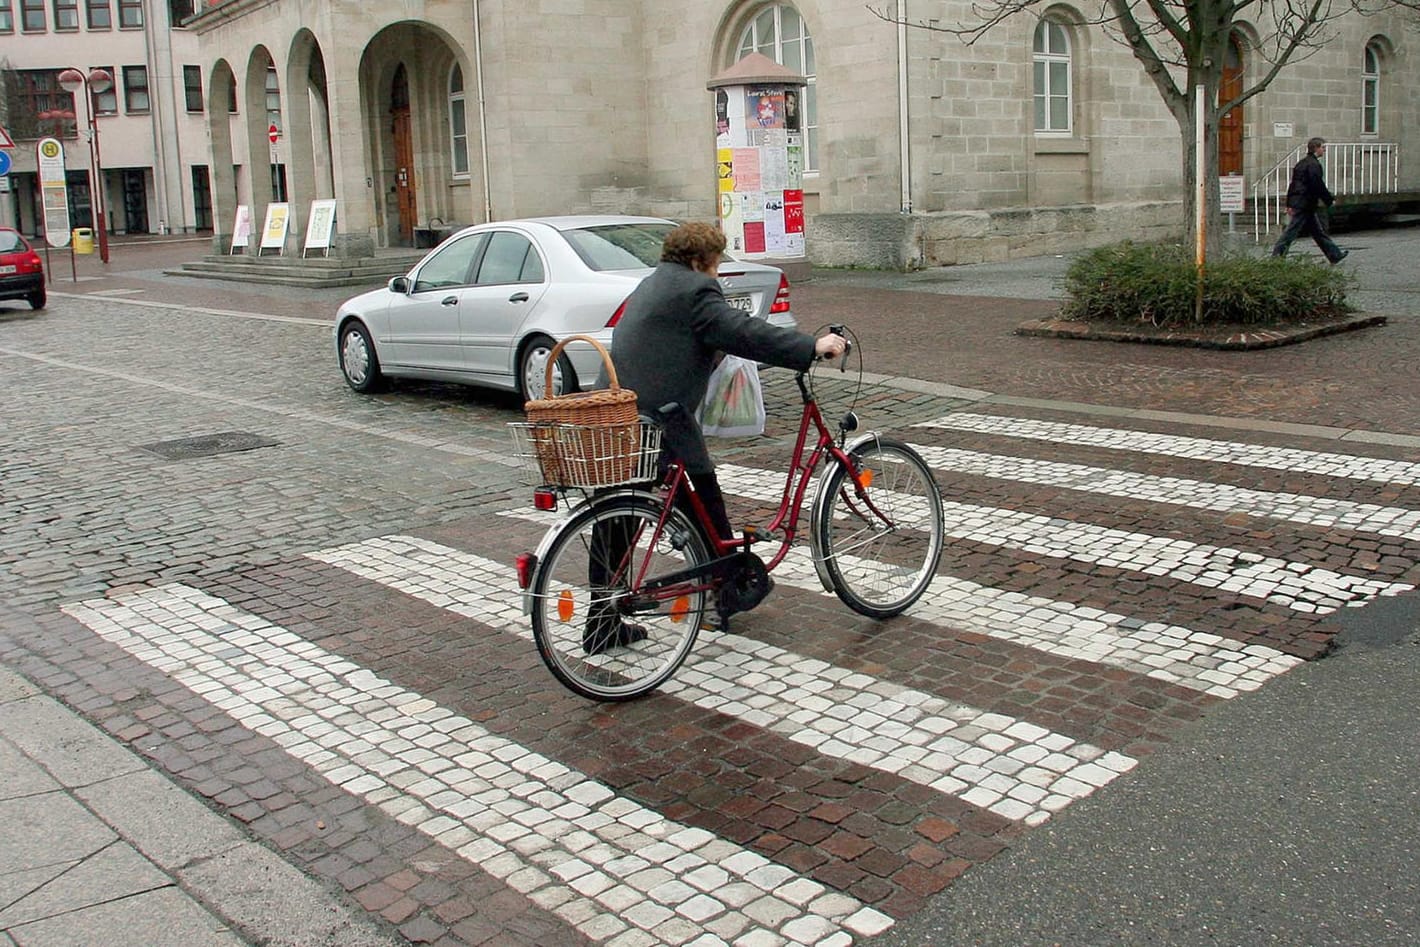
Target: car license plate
[[11, 269], [745, 303]]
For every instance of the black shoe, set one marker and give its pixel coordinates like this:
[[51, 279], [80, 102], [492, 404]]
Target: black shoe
[[1344, 255], [601, 639]]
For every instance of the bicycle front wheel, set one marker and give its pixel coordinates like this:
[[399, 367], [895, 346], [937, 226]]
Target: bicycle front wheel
[[879, 529], [596, 631]]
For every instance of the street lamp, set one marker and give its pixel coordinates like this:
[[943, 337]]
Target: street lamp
[[96, 82]]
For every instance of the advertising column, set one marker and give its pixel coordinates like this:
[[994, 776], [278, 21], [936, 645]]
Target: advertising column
[[759, 159]]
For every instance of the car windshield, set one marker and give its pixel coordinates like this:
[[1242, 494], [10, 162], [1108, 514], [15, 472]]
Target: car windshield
[[619, 246], [10, 242]]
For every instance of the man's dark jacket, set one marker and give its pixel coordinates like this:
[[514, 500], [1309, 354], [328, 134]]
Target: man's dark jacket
[[665, 344], [1308, 186]]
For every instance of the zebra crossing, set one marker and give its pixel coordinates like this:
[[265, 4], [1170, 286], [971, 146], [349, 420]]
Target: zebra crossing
[[616, 869]]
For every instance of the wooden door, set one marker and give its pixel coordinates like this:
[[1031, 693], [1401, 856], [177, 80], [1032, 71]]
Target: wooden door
[[1230, 126], [404, 173]]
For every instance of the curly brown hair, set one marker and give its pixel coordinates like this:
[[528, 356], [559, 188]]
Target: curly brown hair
[[690, 242]]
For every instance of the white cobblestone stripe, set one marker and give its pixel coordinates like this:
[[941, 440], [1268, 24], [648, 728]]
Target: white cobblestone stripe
[[607, 866], [1345, 466], [1011, 767], [1196, 660], [1196, 494], [1296, 585]]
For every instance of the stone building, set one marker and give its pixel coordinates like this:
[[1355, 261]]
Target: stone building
[[1043, 135]]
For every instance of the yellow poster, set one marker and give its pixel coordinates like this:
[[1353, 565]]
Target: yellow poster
[[273, 232], [725, 167]]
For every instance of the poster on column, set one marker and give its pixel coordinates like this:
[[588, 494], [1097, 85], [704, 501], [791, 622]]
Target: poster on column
[[273, 232], [774, 222], [764, 108], [725, 169], [773, 168], [794, 222], [746, 169], [241, 228]]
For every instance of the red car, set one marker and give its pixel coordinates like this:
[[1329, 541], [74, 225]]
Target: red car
[[21, 270]]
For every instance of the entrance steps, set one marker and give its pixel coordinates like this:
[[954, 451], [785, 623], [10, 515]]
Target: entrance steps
[[308, 272]]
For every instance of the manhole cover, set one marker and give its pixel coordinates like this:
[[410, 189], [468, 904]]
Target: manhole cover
[[208, 444]]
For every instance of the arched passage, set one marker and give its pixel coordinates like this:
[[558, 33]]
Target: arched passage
[[305, 102], [418, 183]]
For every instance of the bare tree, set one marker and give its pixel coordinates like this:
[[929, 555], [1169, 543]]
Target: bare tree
[[1184, 45]]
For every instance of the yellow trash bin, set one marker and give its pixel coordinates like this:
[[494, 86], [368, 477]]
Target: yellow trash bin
[[83, 240]]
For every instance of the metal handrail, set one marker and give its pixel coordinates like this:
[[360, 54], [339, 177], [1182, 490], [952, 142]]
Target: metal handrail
[[1352, 167]]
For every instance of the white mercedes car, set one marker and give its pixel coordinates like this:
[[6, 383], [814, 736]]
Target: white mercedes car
[[488, 304]]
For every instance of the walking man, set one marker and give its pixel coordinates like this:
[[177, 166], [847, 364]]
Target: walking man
[[1308, 188]]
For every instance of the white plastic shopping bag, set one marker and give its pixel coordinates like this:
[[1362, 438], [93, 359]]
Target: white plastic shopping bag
[[734, 400]]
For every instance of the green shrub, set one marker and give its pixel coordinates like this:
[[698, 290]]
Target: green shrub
[[1129, 282]]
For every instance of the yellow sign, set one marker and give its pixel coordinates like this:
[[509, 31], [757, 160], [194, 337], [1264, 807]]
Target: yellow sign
[[273, 233], [725, 168]]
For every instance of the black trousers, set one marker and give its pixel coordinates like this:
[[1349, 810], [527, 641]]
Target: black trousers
[[611, 541], [1308, 221]]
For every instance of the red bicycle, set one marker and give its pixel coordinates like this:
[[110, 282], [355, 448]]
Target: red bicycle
[[619, 590]]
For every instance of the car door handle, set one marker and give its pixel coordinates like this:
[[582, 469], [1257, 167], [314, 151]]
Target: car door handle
[[518, 298], [449, 301]]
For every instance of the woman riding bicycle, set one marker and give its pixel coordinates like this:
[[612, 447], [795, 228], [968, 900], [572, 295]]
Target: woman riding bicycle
[[674, 325]]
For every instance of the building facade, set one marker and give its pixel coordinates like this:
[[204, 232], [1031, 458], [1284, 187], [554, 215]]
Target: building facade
[[152, 135], [919, 149]]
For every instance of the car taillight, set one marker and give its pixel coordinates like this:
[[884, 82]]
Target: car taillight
[[616, 316], [781, 298], [30, 263]]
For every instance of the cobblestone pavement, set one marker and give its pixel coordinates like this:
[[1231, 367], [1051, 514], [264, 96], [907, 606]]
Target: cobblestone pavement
[[321, 638]]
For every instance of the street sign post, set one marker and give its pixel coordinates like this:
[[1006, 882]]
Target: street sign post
[[272, 133]]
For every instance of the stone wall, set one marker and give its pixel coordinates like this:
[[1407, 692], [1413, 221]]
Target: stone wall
[[912, 241]]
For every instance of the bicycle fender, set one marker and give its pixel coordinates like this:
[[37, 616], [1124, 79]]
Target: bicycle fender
[[551, 534], [816, 550]]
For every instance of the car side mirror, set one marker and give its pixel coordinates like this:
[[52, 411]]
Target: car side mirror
[[400, 284]]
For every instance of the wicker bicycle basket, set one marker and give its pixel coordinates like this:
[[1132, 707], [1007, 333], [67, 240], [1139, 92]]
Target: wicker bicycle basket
[[603, 447]]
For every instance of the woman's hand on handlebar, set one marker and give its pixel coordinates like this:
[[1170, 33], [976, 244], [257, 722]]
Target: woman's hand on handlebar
[[830, 346]]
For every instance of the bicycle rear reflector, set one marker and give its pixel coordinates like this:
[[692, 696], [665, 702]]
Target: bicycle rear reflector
[[565, 605], [544, 500], [526, 563]]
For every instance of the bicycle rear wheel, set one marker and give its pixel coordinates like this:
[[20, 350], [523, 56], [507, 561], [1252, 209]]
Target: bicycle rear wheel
[[583, 598], [881, 536]]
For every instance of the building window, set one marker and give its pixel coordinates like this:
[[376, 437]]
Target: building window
[[1371, 91], [273, 97], [7, 17], [1051, 56], [32, 16], [106, 102], [232, 97], [39, 106], [100, 15], [781, 34], [458, 122], [135, 89], [66, 14], [130, 14], [192, 87], [179, 10]]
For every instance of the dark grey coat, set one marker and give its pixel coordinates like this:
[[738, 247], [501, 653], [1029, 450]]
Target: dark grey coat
[[665, 344]]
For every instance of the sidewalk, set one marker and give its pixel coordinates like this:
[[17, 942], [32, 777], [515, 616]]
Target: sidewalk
[[101, 849]]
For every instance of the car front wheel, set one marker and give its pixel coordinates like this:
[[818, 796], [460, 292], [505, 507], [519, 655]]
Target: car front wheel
[[532, 371], [358, 361]]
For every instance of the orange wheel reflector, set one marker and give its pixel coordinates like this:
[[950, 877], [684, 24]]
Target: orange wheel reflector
[[565, 605], [865, 478], [680, 608]]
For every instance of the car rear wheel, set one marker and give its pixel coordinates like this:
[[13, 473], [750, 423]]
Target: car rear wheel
[[532, 370], [37, 299], [358, 361]]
